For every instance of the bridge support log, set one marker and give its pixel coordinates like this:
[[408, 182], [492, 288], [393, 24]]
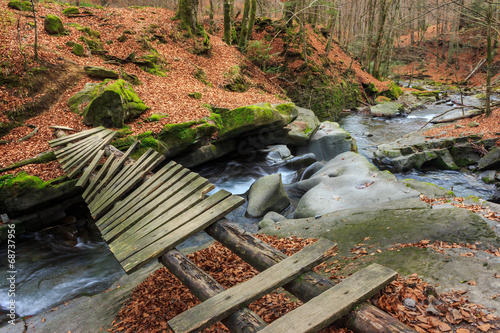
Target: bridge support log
[[203, 286], [262, 256]]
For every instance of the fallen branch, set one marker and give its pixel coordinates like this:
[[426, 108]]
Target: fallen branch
[[442, 114], [29, 136], [42, 158], [449, 120], [475, 69]]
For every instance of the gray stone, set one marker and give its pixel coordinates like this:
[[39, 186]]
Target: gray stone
[[329, 141], [302, 128], [428, 189], [207, 153], [488, 176], [100, 72], [275, 217], [307, 172], [491, 160], [302, 161], [349, 180], [388, 109], [267, 194], [77, 102], [278, 153]]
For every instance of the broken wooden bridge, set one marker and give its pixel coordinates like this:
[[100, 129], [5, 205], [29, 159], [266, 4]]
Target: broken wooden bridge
[[143, 216]]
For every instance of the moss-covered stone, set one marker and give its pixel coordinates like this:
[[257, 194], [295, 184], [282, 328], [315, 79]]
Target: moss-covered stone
[[68, 11], [24, 6], [78, 101], [156, 117], [427, 93], [132, 78], [393, 92], [179, 137], [93, 44], [382, 99], [78, 49], [195, 95], [289, 111], [112, 104], [236, 80], [153, 64], [122, 38], [123, 143], [100, 72], [53, 25], [249, 118], [91, 32], [16, 185]]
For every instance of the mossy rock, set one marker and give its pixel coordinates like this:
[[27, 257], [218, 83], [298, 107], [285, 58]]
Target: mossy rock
[[112, 103], [431, 93], [156, 117], [123, 143], [92, 44], [78, 101], [122, 38], [382, 99], [91, 32], [132, 78], [78, 49], [129, 32], [393, 92], [70, 11], [179, 137], [100, 72], [19, 184], [195, 95], [289, 111], [53, 25], [153, 64], [248, 119], [24, 6]]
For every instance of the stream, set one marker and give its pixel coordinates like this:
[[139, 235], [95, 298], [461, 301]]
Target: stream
[[51, 271]]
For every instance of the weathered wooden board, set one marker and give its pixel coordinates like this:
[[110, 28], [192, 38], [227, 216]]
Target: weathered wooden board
[[90, 155], [64, 128], [86, 175], [146, 188], [152, 208], [171, 240], [86, 150], [129, 184], [71, 148], [98, 178], [73, 137], [222, 305], [334, 303], [170, 209]]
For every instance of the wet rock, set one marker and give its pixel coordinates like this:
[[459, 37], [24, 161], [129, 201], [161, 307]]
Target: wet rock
[[349, 180], [302, 161], [329, 141], [306, 173], [206, 153], [491, 160], [278, 153], [302, 128], [488, 176], [267, 194], [388, 109]]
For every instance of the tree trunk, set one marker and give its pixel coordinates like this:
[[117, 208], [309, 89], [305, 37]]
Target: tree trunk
[[203, 286], [227, 22], [251, 22], [370, 319], [211, 18], [489, 57], [261, 256], [187, 12], [244, 25], [289, 11], [36, 29], [384, 8]]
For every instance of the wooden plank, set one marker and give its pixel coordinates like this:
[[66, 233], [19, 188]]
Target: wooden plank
[[73, 137], [100, 175], [144, 190], [78, 148], [171, 240], [127, 186], [73, 146], [335, 302], [73, 159], [151, 162], [90, 155], [115, 167], [133, 213], [222, 305], [169, 199], [170, 209], [86, 175]]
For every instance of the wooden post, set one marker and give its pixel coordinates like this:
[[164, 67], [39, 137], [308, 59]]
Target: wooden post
[[203, 286], [262, 256]]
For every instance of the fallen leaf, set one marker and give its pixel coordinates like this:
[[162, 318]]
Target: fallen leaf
[[444, 327], [472, 283], [43, 320], [485, 327], [463, 330]]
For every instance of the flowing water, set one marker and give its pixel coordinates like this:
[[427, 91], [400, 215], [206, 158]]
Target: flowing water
[[51, 271]]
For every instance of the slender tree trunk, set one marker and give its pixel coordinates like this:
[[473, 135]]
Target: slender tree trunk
[[244, 25], [36, 29], [289, 11], [211, 18], [384, 6], [489, 57], [251, 22], [227, 21]]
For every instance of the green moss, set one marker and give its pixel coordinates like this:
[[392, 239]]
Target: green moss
[[371, 89], [20, 183], [432, 93], [286, 108], [473, 198], [53, 25], [24, 6], [71, 11], [42, 159], [123, 132], [91, 32], [75, 25], [382, 99], [201, 76], [132, 78], [123, 143], [78, 49], [195, 95], [236, 80], [92, 44], [156, 117], [393, 92], [122, 38]]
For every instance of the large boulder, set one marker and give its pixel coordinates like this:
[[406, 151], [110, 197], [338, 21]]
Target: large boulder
[[267, 194], [53, 25], [78, 101], [347, 181], [179, 137], [100, 72], [302, 128], [491, 160], [253, 119], [329, 141], [388, 109], [112, 104]]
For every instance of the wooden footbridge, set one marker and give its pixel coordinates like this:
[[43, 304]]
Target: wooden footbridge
[[143, 216]]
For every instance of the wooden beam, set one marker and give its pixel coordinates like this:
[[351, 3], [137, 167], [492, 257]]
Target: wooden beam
[[203, 286], [100, 175], [261, 256], [334, 303], [73, 137], [86, 175], [222, 305]]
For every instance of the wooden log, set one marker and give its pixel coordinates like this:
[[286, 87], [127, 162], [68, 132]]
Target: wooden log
[[222, 305], [203, 286], [261, 256], [369, 319], [334, 303]]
